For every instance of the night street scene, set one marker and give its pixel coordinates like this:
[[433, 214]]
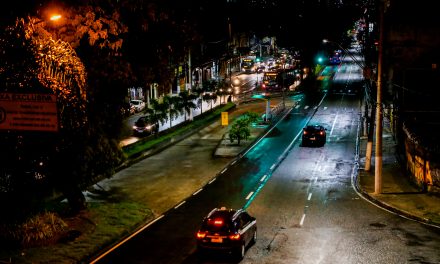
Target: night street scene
[[220, 131]]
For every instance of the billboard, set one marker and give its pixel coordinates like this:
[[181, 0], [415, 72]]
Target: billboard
[[28, 112]]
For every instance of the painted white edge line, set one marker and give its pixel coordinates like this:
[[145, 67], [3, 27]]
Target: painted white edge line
[[199, 190], [177, 206], [126, 239]]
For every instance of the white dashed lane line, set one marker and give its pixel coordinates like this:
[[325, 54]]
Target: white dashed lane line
[[249, 195], [310, 197], [302, 220], [262, 178]]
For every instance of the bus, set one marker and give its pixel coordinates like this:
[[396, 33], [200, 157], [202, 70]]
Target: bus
[[248, 65], [274, 81]]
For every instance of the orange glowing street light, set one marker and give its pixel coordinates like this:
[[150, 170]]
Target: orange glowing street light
[[55, 17]]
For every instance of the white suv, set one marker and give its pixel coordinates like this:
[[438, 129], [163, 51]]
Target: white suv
[[138, 105]]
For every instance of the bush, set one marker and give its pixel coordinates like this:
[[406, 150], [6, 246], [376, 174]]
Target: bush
[[40, 229]]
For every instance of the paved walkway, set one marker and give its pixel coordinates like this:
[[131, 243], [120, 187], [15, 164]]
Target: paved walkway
[[398, 194]]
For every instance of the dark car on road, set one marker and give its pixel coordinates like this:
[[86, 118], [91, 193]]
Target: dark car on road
[[144, 127], [227, 230], [314, 135]]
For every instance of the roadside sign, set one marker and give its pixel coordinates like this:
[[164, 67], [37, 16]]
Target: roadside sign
[[31, 112], [225, 118]]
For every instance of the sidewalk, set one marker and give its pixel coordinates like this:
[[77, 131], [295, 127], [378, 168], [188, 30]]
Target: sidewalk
[[398, 194]]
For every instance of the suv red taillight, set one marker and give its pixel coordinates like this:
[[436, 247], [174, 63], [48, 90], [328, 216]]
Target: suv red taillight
[[201, 235], [234, 237]]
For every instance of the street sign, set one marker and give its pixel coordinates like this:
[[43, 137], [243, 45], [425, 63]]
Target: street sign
[[225, 118], [31, 112]]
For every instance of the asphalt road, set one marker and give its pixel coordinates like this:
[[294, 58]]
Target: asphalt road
[[306, 207]]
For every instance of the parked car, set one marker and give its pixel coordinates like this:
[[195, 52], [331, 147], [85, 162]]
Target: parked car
[[127, 109], [314, 135], [138, 105], [144, 127], [227, 230]]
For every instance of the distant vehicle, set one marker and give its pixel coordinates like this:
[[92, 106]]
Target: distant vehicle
[[276, 81], [145, 127], [227, 230], [261, 69], [248, 65], [314, 135], [127, 109], [138, 105], [335, 58]]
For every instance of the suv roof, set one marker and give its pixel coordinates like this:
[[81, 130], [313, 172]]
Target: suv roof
[[314, 127], [219, 219]]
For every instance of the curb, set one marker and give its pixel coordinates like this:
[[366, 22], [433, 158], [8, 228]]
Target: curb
[[366, 196]]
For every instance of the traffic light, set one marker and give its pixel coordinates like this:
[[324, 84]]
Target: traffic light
[[258, 59]]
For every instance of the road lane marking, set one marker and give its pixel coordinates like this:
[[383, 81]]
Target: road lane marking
[[199, 190], [262, 178], [306, 107], [334, 122], [223, 170], [325, 107], [125, 240], [302, 220], [310, 197], [177, 206], [249, 195], [211, 181], [273, 166], [297, 106], [233, 162]]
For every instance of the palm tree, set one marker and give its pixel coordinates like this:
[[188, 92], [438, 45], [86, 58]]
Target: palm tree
[[199, 94], [210, 98], [172, 104], [157, 112], [187, 102]]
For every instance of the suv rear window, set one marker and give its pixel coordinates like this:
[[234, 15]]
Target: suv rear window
[[218, 222]]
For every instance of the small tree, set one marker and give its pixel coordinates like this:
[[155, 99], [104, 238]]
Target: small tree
[[240, 128]]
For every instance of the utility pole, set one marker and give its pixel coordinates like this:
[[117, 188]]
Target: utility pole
[[378, 149], [189, 69]]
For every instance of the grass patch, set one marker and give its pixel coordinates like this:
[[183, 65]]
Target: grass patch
[[101, 225]]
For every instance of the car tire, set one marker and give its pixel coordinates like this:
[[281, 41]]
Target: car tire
[[254, 237], [240, 252]]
